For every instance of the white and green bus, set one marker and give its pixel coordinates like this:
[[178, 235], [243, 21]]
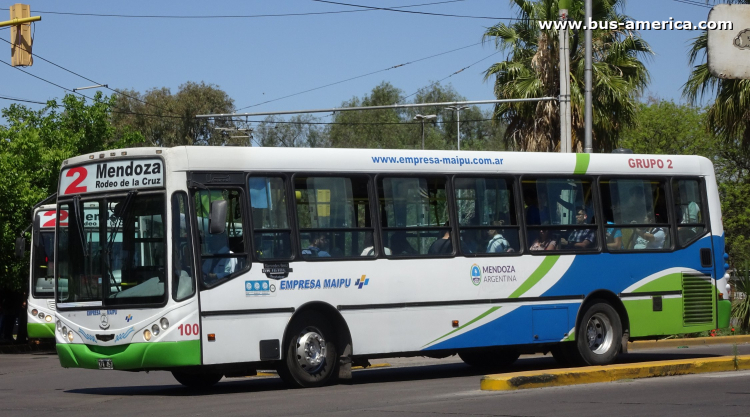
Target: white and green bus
[[40, 307], [222, 260]]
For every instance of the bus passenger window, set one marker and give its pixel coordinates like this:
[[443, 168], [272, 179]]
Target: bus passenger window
[[222, 254], [414, 215], [687, 208], [560, 214], [271, 232], [636, 215], [486, 216], [334, 217]]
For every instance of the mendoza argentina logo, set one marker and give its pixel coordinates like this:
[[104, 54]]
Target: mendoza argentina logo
[[493, 273]]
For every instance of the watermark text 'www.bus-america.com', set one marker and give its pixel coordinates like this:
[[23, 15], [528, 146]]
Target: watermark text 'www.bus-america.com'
[[670, 24]]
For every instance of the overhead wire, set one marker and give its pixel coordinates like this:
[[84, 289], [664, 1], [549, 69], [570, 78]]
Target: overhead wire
[[86, 78], [393, 9], [694, 3], [359, 76], [229, 16]]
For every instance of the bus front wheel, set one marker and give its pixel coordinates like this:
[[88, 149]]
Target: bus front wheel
[[193, 380], [310, 358], [599, 334]]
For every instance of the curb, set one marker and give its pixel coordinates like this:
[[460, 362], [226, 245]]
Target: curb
[[696, 341], [595, 374]]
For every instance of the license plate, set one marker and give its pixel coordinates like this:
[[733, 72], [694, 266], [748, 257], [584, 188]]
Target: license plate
[[105, 364]]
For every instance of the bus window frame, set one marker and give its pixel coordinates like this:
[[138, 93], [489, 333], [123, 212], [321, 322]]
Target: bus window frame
[[666, 180], [517, 205], [704, 209], [596, 249], [68, 199], [297, 231], [287, 179], [245, 201], [452, 217], [191, 230]]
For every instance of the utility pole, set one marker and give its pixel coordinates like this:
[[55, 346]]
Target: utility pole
[[20, 35], [566, 129], [422, 118], [588, 116], [458, 109]]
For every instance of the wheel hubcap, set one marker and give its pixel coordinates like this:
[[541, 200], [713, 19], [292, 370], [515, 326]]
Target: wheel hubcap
[[311, 350], [599, 333]]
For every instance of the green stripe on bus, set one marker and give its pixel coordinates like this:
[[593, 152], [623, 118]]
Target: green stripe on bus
[[535, 277], [40, 330], [134, 356], [582, 163]]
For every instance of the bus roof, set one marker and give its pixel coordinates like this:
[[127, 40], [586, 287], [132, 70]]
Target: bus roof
[[231, 158]]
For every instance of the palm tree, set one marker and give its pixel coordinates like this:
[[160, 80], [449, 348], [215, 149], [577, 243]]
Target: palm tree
[[531, 70], [728, 117]]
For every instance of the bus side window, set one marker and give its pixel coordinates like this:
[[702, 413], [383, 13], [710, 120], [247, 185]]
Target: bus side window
[[486, 216], [688, 201], [414, 214], [272, 235], [636, 215], [183, 281], [334, 217]]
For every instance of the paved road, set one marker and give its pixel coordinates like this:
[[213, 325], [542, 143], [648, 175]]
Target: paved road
[[34, 384]]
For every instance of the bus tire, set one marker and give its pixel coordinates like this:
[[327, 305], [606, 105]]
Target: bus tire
[[192, 380], [310, 358], [599, 334], [485, 359]]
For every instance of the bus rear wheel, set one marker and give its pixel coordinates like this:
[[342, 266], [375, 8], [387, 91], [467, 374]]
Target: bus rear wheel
[[310, 359], [489, 359], [599, 334], [196, 380]]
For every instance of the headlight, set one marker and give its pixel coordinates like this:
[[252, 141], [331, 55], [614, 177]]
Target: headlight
[[41, 315], [59, 326], [48, 319], [64, 331], [70, 336], [34, 312], [155, 329], [147, 335], [164, 323]]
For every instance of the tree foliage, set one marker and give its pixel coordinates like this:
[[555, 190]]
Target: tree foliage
[[167, 119], [531, 70], [33, 144], [395, 128]]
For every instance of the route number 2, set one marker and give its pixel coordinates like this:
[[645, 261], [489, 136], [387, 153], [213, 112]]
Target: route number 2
[[188, 329]]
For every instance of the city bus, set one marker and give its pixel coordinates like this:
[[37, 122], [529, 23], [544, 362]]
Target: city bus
[[40, 309], [310, 261]]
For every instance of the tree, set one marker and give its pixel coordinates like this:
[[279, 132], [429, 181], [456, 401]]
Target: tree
[[531, 70], [169, 120], [299, 131], [395, 128], [33, 145], [729, 113]]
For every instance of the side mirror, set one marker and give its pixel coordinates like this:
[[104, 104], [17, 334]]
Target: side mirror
[[217, 218], [35, 236], [20, 247]]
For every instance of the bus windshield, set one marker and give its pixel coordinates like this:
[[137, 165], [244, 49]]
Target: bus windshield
[[112, 251], [44, 256]]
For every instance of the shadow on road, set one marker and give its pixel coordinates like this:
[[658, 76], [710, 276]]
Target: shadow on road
[[370, 376]]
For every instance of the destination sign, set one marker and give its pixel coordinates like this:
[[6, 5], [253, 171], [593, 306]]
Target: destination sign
[[112, 175]]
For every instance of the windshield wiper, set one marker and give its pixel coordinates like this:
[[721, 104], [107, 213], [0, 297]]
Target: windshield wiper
[[119, 212]]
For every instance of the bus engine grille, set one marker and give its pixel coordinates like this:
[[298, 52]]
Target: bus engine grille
[[697, 299]]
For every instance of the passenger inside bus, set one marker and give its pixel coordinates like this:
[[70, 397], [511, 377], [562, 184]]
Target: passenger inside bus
[[579, 238], [218, 268], [613, 234], [651, 238], [318, 247], [442, 245], [497, 243], [544, 241]]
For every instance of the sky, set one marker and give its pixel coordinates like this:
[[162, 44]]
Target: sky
[[260, 60]]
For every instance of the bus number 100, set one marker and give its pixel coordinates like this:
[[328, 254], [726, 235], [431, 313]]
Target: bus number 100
[[188, 329]]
